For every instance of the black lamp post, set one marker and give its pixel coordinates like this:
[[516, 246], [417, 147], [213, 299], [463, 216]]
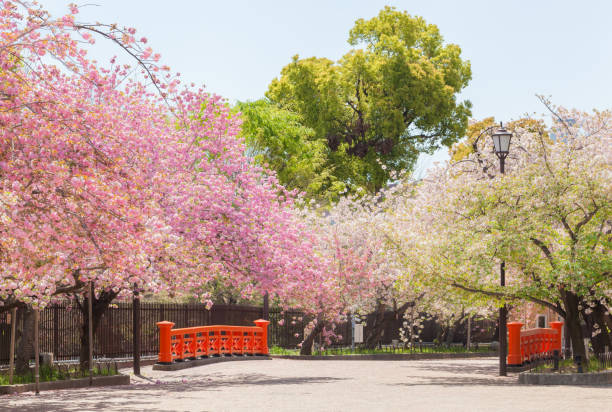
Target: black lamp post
[[501, 144]]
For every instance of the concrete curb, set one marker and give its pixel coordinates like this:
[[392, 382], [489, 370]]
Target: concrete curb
[[66, 384], [128, 363], [518, 369], [121, 362], [390, 356], [175, 366], [594, 378]]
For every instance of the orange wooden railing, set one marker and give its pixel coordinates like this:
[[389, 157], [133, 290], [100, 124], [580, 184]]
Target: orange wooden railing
[[216, 340], [527, 345]]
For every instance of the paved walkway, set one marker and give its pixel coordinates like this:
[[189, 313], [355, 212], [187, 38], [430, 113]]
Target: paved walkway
[[290, 385]]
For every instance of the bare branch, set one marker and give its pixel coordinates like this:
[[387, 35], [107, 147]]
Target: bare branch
[[544, 303], [544, 249]]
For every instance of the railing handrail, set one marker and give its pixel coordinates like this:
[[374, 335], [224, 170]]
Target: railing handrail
[[197, 329], [213, 340], [527, 345], [537, 331]]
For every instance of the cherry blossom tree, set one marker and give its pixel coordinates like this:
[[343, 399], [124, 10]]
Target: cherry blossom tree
[[360, 270], [75, 206], [72, 206], [548, 218], [127, 183]]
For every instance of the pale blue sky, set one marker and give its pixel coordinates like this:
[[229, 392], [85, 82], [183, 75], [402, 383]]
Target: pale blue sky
[[517, 48]]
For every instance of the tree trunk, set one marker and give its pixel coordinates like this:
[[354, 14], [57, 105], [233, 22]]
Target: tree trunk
[[608, 322], [452, 330], [439, 333], [309, 340], [572, 319], [378, 327], [411, 329], [597, 317], [24, 342], [496, 332], [99, 307], [444, 331], [382, 321], [450, 335]]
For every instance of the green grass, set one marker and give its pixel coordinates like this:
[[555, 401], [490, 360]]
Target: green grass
[[57, 373], [275, 350], [568, 366]]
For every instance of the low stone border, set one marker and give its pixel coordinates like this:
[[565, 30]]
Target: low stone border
[[121, 362], [128, 363], [592, 378], [66, 384], [175, 366], [389, 356], [519, 368]]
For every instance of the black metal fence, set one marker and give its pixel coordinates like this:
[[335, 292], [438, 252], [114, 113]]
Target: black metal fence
[[60, 328], [564, 362], [482, 330], [5, 337], [61, 324], [393, 348]]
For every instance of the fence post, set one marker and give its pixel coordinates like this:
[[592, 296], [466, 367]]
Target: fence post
[[165, 342], [136, 332], [514, 343], [266, 307], [352, 333], [578, 362], [36, 352], [263, 324], [56, 331], [90, 331], [12, 348], [468, 343], [558, 326]]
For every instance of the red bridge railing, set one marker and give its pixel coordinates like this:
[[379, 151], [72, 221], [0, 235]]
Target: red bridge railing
[[527, 345], [215, 340]]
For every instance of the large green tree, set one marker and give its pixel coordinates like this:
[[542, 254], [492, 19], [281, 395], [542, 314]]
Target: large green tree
[[278, 138], [379, 106]]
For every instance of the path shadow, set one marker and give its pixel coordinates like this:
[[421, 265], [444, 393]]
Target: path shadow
[[458, 381], [222, 381], [95, 399], [461, 374], [474, 375], [461, 368], [142, 396]]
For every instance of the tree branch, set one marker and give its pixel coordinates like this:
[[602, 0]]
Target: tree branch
[[544, 303], [586, 219], [544, 249]]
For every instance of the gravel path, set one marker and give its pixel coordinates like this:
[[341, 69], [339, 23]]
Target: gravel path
[[298, 385]]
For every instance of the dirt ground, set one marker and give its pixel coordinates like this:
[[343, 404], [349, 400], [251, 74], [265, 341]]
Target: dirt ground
[[300, 385]]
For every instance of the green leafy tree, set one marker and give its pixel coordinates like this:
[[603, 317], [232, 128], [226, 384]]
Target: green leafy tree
[[379, 107], [278, 138]]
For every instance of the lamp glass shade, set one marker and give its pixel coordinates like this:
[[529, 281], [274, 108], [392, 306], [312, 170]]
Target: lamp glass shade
[[501, 141]]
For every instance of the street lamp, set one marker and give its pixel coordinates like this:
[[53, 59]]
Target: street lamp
[[501, 144]]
